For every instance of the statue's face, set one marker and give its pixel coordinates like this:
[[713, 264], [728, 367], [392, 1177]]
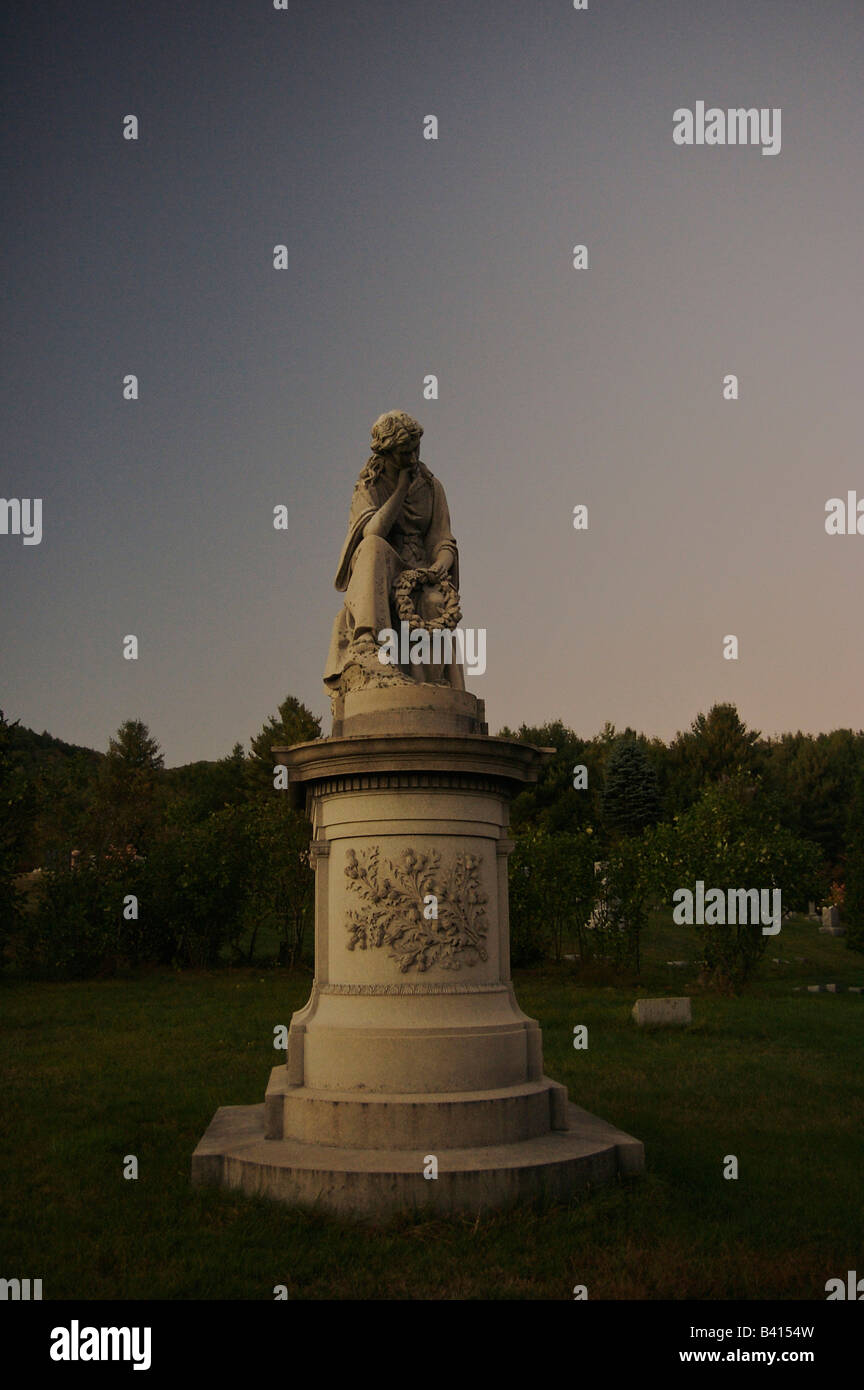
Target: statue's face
[[408, 455], [430, 602]]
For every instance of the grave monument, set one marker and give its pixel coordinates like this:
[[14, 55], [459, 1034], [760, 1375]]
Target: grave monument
[[412, 1077]]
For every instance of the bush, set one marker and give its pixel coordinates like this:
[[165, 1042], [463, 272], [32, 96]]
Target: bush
[[197, 882], [551, 893], [853, 905], [281, 881], [732, 838], [622, 891], [190, 892], [77, 927], [15, 812]]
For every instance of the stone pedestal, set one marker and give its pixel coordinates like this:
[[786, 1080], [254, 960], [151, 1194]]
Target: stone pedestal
[[412, 1047]]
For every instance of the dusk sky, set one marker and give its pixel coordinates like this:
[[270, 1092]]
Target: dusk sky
[[408, 257]]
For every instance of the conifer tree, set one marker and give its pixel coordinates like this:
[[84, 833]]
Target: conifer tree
[[631, 800]]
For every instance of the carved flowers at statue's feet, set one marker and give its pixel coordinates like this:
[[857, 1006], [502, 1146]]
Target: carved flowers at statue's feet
[[364, 671]]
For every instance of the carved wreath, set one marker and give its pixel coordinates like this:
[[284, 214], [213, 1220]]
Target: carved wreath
[[409, 583], [396, 900]]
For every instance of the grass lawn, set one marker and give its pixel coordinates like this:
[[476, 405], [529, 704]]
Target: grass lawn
[[97, 1070]]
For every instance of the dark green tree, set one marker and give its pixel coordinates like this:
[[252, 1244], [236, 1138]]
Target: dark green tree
[[717, 744], [197, 886], [812, 777], [196, 790], [293, 723], [14, 812], [281, 886], [631, 801], [853, 903], [554, 804], [129, 779]]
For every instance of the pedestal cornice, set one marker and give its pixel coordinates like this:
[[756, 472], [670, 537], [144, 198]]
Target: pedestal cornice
[[411, 760]]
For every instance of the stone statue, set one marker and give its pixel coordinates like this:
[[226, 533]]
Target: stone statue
[[412, 1047], [399, 563]]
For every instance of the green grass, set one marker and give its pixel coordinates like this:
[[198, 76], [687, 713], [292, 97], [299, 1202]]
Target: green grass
[[97, 1070]]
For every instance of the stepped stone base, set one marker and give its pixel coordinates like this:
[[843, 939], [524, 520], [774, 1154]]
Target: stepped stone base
[[468, 1119], [376, 1183], [412, 1046]]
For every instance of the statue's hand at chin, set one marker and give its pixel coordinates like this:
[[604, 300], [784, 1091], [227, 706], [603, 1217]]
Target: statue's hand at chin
[[406, 476]]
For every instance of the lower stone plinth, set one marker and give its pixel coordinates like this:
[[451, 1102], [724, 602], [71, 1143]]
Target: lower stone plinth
[[376, 1183], [412, 1045], [462, 1119]]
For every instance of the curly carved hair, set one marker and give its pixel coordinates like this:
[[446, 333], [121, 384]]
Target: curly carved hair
[[394, 430]]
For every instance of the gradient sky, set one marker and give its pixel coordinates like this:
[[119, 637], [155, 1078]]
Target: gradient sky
[[408, 257]]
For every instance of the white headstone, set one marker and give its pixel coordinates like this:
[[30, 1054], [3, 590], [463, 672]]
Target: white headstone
[[662, 1012]]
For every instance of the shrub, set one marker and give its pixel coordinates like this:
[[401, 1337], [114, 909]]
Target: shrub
[[732, 838], [78, 927], [551, 893]]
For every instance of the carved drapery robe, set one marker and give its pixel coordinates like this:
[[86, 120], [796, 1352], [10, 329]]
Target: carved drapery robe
[[368, 566]]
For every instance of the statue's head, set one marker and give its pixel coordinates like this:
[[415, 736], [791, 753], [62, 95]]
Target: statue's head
[[394, 432]]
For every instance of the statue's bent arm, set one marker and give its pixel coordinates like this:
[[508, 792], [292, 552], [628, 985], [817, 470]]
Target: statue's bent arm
[[382, 522]]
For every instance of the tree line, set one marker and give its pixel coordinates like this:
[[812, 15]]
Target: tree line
[[211, 865], [114, 861]]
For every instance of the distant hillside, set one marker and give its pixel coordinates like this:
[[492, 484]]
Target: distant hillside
[[206, 786], [28, 748], [58, 780], [63, 804]]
